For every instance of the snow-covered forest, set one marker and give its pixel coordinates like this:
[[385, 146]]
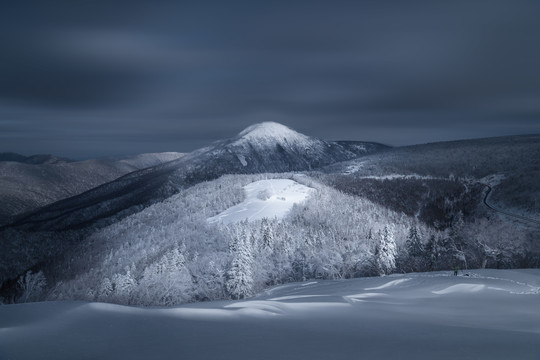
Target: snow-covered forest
[[170, 253]]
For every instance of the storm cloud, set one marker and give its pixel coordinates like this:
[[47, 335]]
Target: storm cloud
[[95, 78]]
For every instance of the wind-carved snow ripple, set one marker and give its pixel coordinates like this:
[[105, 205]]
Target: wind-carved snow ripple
[[389, 284]]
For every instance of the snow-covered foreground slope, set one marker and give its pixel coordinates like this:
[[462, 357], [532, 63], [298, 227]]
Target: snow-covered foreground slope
[[491, 314], [272, 198]]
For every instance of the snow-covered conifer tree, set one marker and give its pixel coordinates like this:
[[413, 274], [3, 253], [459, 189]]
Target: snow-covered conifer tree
[[240, 275], [267, 235], [385, 252], [414, 244], [415, 259]]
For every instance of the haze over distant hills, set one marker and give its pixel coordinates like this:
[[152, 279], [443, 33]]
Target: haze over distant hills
[[29, 182], [33, 159]]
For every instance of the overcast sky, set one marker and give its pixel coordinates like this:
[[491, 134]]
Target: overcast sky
[[94, 78]]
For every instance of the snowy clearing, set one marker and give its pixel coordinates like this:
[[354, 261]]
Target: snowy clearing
[[272, 198], [491, 314]]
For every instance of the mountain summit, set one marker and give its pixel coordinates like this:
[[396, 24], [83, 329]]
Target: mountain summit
[[273, 147], [270, 131], [267, 137]]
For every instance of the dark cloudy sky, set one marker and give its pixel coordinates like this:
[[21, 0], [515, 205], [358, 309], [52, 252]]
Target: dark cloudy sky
[[92, 78]]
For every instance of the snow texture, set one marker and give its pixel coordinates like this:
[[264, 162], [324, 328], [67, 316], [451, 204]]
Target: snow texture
[[272, 131], [271, 198], [389, 284], [490, 314]]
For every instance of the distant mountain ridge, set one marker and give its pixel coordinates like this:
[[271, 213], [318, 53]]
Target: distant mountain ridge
[[33, 159], [509, 164], [27, 183]]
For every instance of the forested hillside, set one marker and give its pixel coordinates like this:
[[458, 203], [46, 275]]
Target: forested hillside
[[169, 253], [27, 183], [449, 174], [179, 232]]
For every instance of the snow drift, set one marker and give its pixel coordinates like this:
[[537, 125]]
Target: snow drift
[[366, 318]]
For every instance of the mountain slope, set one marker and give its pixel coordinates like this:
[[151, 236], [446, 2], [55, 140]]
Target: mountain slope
[[435, 180], [47, 233], [332, 234], [28, 184], [265, 147]]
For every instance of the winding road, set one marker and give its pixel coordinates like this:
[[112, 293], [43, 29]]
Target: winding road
[[488, 193]]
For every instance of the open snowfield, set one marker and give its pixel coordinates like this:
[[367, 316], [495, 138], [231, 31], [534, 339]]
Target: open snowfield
[[491, 314], [270, 199]]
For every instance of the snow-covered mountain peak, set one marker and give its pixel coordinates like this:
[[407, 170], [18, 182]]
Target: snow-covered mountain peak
[[271, 131]]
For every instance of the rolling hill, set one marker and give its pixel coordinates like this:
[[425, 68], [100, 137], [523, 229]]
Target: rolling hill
[[28, 183]]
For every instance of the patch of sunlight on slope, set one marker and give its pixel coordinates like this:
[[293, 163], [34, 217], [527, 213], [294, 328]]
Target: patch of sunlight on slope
[[270, 199]]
